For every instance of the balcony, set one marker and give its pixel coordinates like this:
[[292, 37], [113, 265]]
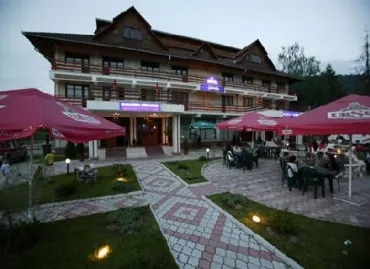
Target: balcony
[[165, 79], [163, 98]]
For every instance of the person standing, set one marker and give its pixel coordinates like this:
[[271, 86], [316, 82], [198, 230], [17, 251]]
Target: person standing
[[5, 170]]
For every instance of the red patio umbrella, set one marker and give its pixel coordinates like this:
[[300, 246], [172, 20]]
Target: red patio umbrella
[[249, 122], [22, 112], [348, 115]]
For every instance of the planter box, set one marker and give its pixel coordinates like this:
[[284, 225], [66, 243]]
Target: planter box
[[102, 154]]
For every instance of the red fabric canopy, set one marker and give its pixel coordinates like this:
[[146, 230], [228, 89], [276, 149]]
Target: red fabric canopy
[[22, 112], [250, 122], [348, 115]]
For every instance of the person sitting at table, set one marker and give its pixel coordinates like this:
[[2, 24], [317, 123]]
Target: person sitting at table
[[292, 171], [237, 150], [286, 156]]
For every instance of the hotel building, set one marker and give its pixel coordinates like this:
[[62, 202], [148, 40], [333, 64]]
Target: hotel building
[[156, 84]]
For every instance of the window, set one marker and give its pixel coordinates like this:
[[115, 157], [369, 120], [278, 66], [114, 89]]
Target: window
[[179, 97], [113, 63], [227, 77], [229, 100], [280, 87], [248, 101], [247, 80], [149, 66], [266, 84], [77, 91], [266, 103], [179, 70], [77, 59], [148, 95], [132, 33], [120, 94], [109, 93], [256, 58]]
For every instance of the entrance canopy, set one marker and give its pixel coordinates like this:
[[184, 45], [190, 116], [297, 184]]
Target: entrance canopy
[[348, 115], [202, 125], [250, 122], [22, 112]]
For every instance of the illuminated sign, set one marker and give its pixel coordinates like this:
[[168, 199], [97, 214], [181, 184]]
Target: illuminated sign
[[139, 107], [211, 84]]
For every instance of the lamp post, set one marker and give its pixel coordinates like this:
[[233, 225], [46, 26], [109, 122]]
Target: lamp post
[[68, 161], [207, 153]]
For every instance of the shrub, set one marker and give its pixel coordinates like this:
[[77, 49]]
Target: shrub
[[121, 186], [17, 236], [125, 220], [186, 146], [119, 170], [80, 150], [283, 222], [66, 189], [183, 166], [236, 199], [202, 158], [70, 150]]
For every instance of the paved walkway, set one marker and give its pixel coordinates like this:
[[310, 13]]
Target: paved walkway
[[263, 185], [198, 235]]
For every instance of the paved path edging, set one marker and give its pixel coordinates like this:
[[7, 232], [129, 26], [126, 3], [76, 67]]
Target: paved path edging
[[173, 174], [257, 237], [164, 236]]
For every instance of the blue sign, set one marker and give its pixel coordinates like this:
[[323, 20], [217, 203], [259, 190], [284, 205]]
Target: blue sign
[[211, 84]]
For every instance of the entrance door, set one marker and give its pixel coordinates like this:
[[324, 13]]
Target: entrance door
[[149, 131]]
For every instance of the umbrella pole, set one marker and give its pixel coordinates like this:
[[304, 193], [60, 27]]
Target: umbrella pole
[[350, 169], [30, 180]]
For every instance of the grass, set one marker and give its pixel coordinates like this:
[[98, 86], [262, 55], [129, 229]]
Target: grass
[[15, 198], [57, 158], [193, 174], [318, 244], [71, 244]]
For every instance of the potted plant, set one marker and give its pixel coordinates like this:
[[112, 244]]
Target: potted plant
[[186, 147], [46, 148], [80, 150]]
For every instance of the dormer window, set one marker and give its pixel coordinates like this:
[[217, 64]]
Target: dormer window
[[256, 58], [132, 33]]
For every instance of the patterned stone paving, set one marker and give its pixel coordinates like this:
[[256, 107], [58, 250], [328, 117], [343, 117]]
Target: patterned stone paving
[[263, 185], [199, 236]]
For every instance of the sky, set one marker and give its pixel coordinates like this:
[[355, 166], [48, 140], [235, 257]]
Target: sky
[[331, 30]]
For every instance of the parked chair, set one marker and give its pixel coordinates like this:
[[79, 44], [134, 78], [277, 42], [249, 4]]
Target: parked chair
[[340, 172], [311, 178], [247, 161], [283, 171]]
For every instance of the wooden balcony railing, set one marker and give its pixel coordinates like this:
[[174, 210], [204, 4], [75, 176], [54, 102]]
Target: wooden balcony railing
[[168, 75], [164, 98]]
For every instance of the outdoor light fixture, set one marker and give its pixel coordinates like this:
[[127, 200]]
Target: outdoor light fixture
[[122, 179], [256, 219], [207, 152], [335, 156], [338, 150], [68, 161], [103, 252]]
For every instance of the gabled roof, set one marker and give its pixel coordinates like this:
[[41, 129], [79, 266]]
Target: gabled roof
[[101, 23], [239, 55], [205, 46], [111, 24]]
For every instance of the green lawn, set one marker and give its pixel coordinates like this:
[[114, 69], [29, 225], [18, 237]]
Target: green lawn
[[16, 197], [318, 244], [57, 158], [72, 243], [190, 171]]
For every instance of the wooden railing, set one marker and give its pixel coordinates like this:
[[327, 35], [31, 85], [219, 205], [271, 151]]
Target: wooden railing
[[168, 75], [161, 97]]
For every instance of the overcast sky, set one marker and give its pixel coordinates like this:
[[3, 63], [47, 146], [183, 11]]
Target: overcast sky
[[331, 30]]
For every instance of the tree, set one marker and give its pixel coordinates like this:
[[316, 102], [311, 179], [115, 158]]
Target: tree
[[363, 67], [330, 85], [294, 62]]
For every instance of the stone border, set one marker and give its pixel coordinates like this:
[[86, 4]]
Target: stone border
[[163, 234], [257, 237], [91, 199]]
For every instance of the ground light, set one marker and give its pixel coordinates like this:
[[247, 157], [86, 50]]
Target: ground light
[[207, 152], [103, 252], [68, 161], [256, 219], [121, 179]]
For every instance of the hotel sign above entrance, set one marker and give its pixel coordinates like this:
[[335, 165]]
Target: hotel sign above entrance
[[139, 107], [211, 84]]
